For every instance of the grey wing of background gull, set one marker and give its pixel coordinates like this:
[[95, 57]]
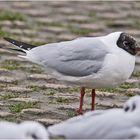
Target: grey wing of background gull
[[113, 123], [63, 128], [77, 58], [108, 124]]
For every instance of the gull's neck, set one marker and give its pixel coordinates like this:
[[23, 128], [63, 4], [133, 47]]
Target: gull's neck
[[111, 39]]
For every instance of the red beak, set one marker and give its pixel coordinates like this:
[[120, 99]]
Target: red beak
[[137, 49]]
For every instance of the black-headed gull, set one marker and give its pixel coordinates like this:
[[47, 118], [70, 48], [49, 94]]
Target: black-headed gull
[[121, 123], [24, 130], [88, 62]]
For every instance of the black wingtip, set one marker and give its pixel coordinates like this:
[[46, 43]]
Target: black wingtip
[[20, 44], [9, 40], [17, 50], [9, 49], [6, 38]]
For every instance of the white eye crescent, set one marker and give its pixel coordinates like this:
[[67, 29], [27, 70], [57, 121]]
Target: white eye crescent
[[125, 43]]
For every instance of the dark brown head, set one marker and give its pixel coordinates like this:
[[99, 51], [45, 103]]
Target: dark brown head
[[128, 43]]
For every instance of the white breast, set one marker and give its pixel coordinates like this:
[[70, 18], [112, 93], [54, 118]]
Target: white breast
[[117, 68]]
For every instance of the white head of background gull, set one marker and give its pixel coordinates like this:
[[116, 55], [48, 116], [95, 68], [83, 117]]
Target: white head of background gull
[[34, 130], [88, 62], [133, 104], [26, 130], [108, 124]]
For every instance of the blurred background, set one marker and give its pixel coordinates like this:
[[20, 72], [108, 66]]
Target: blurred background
[[26, 91]]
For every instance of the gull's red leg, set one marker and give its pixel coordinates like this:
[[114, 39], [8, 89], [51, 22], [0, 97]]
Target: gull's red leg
[[82, 93], [93, 99]]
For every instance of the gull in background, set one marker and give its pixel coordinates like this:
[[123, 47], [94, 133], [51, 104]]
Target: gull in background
[[87, 62], [24, 130], [116, 123]]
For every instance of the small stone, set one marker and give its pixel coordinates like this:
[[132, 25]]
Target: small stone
[[38, 77], [17, 59], [4, 71], [45, 20], [137, 68], [64, 99], [105, 94], [111, 15], [137, 59], [29, 32], [21, 5], [92, 26], [65, 36], [25, 100], [131, 81], [3, 51], [36, 13], [18, 89], [67, 107], [1, 104], [67, 10], [56, 3], [135, 90], [33, 111], [6, 23], [5, 114], [48, 121], [96, 34], [66, 95], [54, 86], [98, 8], [26, 39], [108, 104], [78, 18], [133, 32], [16, 32], [55, 29], [133, 14], [6, 79], [20, 24], [120, 23], [4, 44]]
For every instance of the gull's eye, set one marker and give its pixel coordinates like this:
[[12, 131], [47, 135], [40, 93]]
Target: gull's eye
[[125, 43]]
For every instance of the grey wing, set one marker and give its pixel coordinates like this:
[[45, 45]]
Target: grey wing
[[97, 127], [76, 58]]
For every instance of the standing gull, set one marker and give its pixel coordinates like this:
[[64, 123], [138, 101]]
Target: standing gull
[[88, 62], [121, 123]]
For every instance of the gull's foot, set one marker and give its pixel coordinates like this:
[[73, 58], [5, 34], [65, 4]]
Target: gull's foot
[[80, 112]]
